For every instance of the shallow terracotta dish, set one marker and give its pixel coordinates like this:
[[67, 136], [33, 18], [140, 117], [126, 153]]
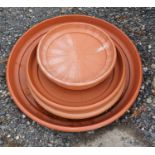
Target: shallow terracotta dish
[[17, 84], [75, 104], [76, 55]]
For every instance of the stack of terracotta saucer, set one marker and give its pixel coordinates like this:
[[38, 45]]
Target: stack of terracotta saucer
[[74, 73]]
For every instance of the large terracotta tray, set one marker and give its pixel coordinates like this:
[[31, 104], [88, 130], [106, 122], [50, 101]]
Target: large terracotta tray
[[17, 84], [76, 104]]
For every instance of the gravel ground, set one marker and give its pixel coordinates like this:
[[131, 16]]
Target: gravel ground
[[18, 130]]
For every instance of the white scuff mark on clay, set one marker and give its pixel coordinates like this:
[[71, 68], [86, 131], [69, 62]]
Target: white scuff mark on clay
[[103, 47]]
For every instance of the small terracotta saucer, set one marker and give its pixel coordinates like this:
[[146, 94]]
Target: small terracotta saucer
[[17, 84], [76, 55], [75, 104]]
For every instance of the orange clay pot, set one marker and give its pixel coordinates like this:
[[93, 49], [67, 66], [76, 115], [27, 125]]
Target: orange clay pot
[[76, 55], [17, 84], [75, 104]]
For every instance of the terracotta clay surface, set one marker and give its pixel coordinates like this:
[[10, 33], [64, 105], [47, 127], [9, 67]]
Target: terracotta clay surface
[[17, 84], [76, 55], [76, 104]]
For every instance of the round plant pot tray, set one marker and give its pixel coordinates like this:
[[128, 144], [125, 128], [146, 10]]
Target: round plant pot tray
[[75, 104], [76, 55], [17, 84]]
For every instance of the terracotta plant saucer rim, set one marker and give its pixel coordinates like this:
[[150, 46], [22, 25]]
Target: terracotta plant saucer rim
[[115, 113], [81, 85], [79, 115]]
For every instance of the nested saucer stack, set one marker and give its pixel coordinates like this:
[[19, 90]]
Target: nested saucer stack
[[74, 73]]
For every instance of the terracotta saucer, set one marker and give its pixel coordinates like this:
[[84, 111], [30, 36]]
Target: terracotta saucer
[[76, 55], [75, 104], [16, 76]]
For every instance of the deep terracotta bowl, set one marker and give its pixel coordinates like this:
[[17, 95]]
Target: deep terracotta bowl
[[50, 95], [76, 55], [17, 84]]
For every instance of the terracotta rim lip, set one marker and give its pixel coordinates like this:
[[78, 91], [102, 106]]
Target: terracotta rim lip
[[82, 115], [83, 128], [99, 103], [80, 84]]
